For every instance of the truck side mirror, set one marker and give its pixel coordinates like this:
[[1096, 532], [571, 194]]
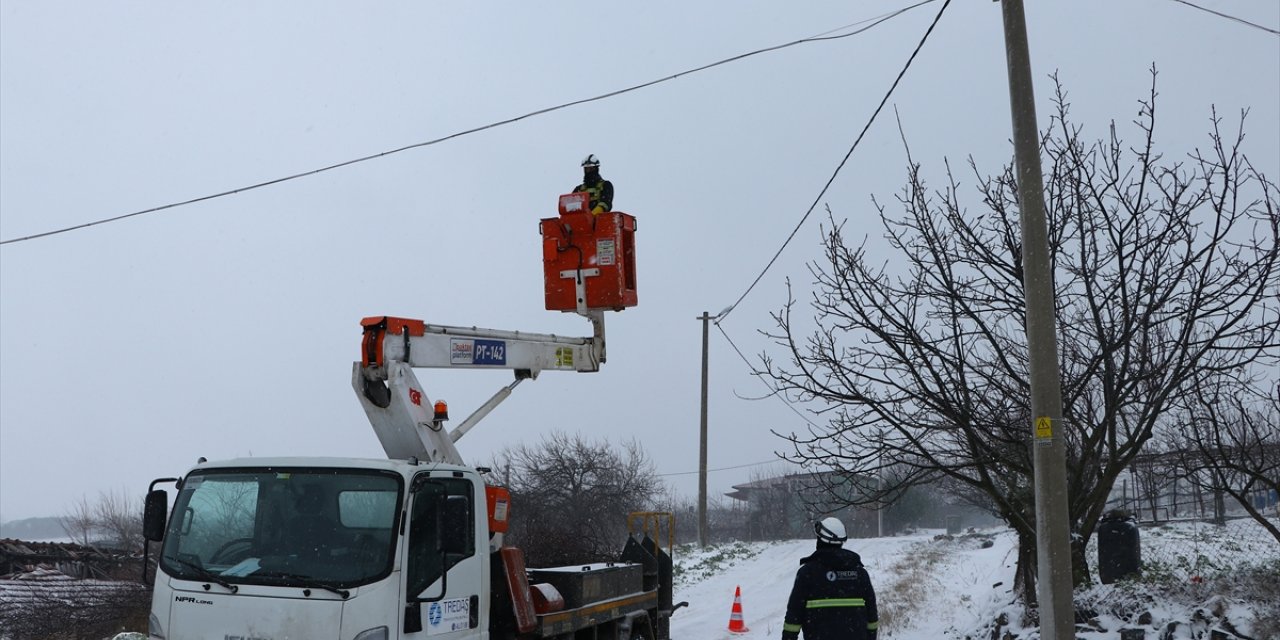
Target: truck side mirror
[[455, 525], [154, 513]]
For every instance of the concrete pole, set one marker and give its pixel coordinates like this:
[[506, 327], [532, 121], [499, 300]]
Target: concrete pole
[[702, 441], [1053, 534], [879, 516], [880, 488]]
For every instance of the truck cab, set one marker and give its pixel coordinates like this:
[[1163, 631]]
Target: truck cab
[[270, 549]]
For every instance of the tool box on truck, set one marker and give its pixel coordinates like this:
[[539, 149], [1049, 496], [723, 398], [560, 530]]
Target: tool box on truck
[[583, 584]]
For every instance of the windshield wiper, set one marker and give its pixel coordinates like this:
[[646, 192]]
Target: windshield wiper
[[307, 582], [204, 574]]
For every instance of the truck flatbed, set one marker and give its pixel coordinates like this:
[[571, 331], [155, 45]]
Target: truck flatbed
[[551, 625]]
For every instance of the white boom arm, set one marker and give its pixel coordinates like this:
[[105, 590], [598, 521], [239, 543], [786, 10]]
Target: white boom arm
[[400, 412]]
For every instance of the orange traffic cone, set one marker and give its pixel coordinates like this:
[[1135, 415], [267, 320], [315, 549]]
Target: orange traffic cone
[[736, 625]]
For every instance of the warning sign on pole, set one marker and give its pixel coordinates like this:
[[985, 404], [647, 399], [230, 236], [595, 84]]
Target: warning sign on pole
[[1044, 427]]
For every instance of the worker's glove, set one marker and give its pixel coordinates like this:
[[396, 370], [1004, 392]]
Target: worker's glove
[[790, 635]]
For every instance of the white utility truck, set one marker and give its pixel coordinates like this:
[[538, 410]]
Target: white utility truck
[[410, 547]]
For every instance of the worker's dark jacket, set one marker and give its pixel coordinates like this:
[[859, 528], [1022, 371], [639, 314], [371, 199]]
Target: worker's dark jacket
[[832, 598], [601, 193]]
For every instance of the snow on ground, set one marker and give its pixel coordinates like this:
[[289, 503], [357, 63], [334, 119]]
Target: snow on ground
[[765, 571], [940, 587]]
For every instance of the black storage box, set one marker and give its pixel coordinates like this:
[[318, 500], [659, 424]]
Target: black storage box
[[1119, 547], [584, 584]]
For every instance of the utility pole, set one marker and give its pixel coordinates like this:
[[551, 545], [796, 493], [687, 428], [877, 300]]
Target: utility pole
[[702, 441], [880, 488], [880, 513], [1053, 535]]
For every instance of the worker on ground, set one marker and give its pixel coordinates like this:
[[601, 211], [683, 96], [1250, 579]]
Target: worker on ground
[[832, 598], [599, 189]]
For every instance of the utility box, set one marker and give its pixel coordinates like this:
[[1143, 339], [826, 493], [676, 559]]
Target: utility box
[[498, 499], [1119, 547], [581, 585], [953, 525], [598, 250]]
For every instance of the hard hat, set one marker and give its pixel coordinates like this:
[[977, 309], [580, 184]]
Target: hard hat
[[591, 161], [830, 531]]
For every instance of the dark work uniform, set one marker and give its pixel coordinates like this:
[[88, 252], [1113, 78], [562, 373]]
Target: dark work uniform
[[832, 598], [601, 193]]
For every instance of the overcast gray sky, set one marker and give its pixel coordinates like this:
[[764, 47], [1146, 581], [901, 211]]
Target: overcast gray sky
[[228, 327]]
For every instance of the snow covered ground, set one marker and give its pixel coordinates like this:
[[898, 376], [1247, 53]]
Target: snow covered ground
[[765, 570], [932, 587]]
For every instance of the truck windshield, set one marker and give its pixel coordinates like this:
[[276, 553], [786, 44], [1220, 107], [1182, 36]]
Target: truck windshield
[[306, 527]]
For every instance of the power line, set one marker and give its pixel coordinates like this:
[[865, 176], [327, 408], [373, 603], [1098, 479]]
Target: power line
[[1229, 17], [827, 186], [741, 466], [723, 314], [774, 391], [864, 21], [818, 38]]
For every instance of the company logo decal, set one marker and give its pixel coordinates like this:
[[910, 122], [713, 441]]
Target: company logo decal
[[448, 615]]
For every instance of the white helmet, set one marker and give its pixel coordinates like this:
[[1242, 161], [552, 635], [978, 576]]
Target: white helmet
[[830, 531], [591, 161]]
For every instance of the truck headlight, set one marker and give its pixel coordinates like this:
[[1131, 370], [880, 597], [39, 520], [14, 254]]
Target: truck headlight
[[376, 633]]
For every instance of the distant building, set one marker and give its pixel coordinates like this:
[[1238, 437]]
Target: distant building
[[786, 507]]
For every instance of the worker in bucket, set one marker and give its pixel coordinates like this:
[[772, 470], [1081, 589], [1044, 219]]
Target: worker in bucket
[[832, 598], [599, 189]]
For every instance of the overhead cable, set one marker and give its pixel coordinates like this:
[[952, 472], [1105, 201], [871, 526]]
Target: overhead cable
[[819, 38], [1229, 17], [840, 166], [741, 466], [774, 391]]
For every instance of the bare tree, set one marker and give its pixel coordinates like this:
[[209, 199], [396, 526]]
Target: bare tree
[[1166, 279], [726, 518], [571, 496], [113, 519], [1153, 473], [1229, 443], [118, 515], [80, 521]]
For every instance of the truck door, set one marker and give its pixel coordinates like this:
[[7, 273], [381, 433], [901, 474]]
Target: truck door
[[443, 577]]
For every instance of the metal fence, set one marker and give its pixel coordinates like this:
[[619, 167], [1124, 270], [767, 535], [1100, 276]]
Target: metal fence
[[1193, 550]]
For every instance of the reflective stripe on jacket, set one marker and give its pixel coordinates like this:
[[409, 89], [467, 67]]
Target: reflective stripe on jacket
[[832, 598]]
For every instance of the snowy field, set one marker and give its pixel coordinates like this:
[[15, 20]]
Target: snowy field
[[956, 588], [933, 587]]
